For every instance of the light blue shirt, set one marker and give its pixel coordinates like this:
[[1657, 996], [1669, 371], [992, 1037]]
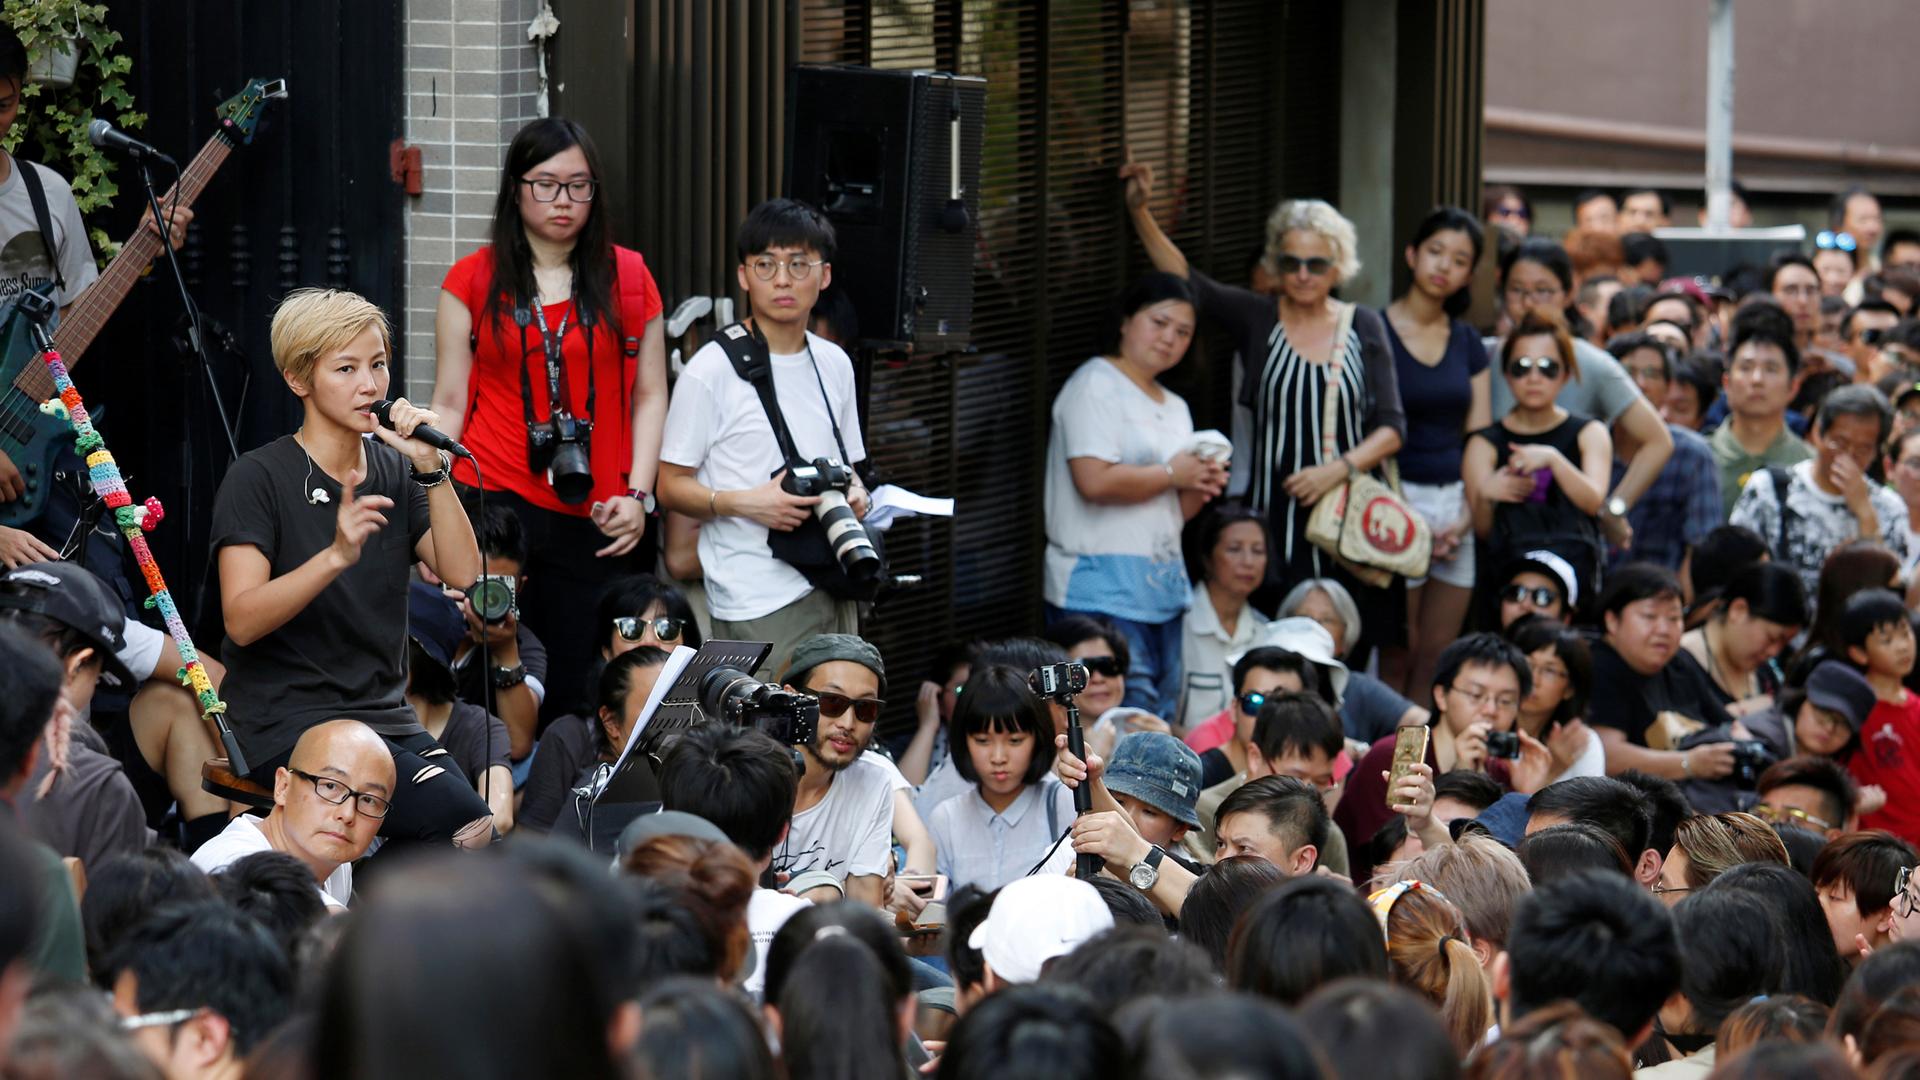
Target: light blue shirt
[[985, 849]]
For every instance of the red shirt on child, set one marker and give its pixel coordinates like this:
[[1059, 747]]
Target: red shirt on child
[[1889, 755]]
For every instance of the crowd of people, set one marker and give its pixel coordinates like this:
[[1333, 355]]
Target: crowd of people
[[1586, 759]]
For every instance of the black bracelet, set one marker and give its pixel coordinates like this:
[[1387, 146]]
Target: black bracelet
[[430, 479]]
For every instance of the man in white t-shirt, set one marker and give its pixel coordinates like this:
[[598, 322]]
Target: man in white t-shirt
[[328, 801], [743, 782], [843, 805], [719, 461]]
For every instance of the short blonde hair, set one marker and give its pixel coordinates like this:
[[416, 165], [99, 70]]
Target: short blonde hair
[[311, 323], [1314, 216]]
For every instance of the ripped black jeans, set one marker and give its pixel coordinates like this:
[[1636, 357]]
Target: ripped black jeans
[[433, 801]]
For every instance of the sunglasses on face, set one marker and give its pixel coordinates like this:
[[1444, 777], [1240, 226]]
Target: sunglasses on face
[[1520, 366], [1291, 264], [866, 709], [1834, 241], [1538, 595], [1100, 665], [1251, 702], [665, 627]]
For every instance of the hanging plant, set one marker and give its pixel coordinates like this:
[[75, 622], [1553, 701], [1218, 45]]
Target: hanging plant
[[76, 72]]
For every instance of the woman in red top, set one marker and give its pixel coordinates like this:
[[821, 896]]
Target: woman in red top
[[551, 304]]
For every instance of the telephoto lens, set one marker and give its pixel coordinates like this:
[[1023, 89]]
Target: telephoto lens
[[847, 537]]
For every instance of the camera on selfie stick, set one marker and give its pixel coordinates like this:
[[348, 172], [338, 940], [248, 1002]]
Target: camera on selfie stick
[[1062, 683]]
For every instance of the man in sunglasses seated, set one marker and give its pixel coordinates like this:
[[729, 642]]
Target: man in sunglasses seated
[[1539, 582], [328, 801], [843, 809]]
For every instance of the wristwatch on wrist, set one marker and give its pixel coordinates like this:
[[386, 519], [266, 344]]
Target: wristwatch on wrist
[[506, 678], [1146, 873], [1617, 506], [644, 498]]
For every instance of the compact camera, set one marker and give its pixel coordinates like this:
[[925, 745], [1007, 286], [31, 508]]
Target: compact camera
[[561, 449], [1503, 744], [1750, 758], [846, 537]]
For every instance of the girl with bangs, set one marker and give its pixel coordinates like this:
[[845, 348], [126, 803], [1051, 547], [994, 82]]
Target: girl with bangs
[[1002, 740]]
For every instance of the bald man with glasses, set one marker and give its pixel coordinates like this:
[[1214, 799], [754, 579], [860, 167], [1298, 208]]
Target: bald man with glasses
[[328, 802]]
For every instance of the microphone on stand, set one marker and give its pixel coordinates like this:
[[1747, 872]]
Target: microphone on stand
[[107, 137], [434, 437]]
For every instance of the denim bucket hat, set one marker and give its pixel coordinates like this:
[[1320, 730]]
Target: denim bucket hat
[[1159, 770]]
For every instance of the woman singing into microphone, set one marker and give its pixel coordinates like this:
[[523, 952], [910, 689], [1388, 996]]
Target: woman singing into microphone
[[552, 369], [316, 534]]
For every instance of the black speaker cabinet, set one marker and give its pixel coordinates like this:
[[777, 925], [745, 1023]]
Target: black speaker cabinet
[[893, 158]]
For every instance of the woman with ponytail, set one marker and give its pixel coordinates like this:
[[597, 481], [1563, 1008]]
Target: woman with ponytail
[[1430, 952], [839, 995]]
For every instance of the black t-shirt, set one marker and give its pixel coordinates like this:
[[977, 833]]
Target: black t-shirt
[[1625, 699], [475, 740], [1215, 768], [566, 748], [345, 653]]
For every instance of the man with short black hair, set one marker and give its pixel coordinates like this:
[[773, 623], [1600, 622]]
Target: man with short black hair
[[1901, 251], [1683, 504], [30, 681], [1863, 328], [1666, 807], [843, 805], [1643, 210], [1795, 285], [1595, 210], [1831, 499], [197, 985], [1759, 382], [743, 782], [1279, 818], [1855, 877], [514, 660], [1613, 806], [1594, 939], [719, 461], [1812, 791], [1646, 258], [1294, 734]]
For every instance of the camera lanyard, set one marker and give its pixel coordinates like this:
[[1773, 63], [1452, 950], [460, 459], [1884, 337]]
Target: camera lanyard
[[552, 347], [754, 364]]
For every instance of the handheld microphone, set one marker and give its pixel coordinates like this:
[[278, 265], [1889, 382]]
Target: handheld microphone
[[434, 437], [106, 136]]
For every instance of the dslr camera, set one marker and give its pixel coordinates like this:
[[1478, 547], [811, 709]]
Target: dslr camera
[[560, 448], [735, 697], [493, 598], [846, 537], [1750, 758]]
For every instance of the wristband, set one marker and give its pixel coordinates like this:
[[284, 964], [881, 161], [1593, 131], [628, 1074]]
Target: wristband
[[713, 495], [1686, 762]]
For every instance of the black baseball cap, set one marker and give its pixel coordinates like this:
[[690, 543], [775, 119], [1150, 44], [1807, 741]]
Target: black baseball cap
[[70, 594]]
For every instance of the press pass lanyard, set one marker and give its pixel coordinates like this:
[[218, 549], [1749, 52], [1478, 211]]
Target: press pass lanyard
[[552, 344]]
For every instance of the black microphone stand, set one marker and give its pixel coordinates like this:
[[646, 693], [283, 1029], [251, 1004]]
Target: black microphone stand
[[195, 338]]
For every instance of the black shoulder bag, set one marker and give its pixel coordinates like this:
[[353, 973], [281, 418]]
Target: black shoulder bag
[[805, 548]]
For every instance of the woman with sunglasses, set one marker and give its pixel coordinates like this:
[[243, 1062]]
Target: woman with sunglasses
[[1538, 476], [1537, 276], [640, 609], [551, 323], [1442, 367], [1289, 359]]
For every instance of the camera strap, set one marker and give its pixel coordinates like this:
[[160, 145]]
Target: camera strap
[[747, 351], [553, 345]]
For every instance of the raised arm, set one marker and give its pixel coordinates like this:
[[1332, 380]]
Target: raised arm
[[453, 361], [1161, 250]]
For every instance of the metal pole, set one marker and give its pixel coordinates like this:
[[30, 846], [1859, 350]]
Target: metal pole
[[1719, 112]]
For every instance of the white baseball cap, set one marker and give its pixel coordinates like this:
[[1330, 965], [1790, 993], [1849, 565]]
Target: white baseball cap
[[1308, 640], [1035, 919]]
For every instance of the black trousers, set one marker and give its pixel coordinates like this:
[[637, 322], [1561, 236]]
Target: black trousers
[[564, 581], [432, 799]]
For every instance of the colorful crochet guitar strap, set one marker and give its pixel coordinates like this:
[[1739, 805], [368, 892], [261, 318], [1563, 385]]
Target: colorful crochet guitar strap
[[104, 476]]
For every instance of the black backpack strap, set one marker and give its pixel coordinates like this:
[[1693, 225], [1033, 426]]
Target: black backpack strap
[[37, 195], [747, 351], [1782, 481]]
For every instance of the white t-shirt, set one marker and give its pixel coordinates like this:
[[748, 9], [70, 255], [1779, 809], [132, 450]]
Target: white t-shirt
[[242, 837], [1817, 522], [767, 912], [894, 776], [717, 427], [23, 254], [847, 833], [1119, 560]]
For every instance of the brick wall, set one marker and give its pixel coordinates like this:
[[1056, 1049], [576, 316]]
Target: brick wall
[[471, 84]]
